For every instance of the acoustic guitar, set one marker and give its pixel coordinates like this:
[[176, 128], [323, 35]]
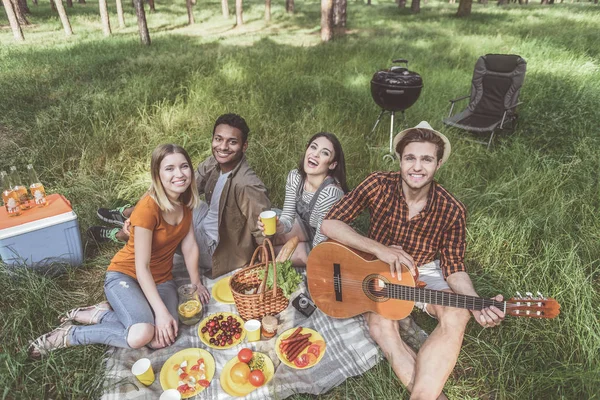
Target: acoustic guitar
[[344, 282]]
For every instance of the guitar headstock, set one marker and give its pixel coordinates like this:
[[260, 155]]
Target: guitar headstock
[[532, 307]]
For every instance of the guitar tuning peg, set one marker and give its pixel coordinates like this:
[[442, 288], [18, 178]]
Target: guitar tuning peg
[[541, 296], [529, 294], [519, 295]]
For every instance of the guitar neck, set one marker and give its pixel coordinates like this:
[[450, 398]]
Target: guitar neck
[[441, 298]]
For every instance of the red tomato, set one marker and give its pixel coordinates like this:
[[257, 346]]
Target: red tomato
[[245, 355], [257, 378], [314, 349], [203, 383], [183, 376], [200, 361], [195, 367], [183, 388], [302, 361]]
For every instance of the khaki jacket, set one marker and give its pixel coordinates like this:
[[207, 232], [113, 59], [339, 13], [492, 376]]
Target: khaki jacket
[[244, 197]]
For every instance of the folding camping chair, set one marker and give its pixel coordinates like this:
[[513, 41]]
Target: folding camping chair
[[497, 81]]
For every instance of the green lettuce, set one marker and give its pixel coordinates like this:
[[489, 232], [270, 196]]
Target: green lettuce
[[288, 278]]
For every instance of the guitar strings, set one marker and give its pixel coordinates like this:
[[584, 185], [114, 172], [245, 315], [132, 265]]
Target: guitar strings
[[423, 294]]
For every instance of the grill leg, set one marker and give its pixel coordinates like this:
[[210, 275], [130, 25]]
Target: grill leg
[[377, 122], [393, 113]]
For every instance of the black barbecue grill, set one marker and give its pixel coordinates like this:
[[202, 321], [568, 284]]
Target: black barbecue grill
[[395, 89]]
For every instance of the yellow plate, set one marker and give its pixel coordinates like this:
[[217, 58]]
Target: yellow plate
[[205, 337], [169, 379], [237, 390], [222, 292], [313, 338]]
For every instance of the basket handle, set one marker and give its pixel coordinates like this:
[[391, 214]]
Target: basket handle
[[266, 246]]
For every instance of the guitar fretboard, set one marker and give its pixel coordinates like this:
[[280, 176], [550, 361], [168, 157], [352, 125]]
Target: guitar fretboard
[[430, 296]]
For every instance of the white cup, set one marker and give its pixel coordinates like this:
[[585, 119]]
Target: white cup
[[170, 394]]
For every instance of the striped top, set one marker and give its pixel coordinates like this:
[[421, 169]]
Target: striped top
[[327, 198], [439, 230]]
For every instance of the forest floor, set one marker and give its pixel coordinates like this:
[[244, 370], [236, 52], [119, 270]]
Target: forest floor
[[88, 110]]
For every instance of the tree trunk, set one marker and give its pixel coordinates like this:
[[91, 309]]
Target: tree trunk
[[267, 10], [19, 12], [340, 14], [415, 6], [104, 17], [225, 8], [12, 19], [81, 1], [501, 2], [35, 2], [402, 4], [69, 3], [52, 5], [63, 17], [486, 1], [190, 11], [368, 2], [24, 7], [289, 6], [239, 11], [120, 15], [544, 2], [326, 20], [142, 24], [464, 8], [152, 6]]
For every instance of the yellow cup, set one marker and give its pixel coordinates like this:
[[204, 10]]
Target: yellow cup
[[252, 327], [142, 369], [269, 220]]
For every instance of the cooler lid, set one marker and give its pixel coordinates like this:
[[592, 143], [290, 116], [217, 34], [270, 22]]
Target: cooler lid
[[57, 205], [36, 225]]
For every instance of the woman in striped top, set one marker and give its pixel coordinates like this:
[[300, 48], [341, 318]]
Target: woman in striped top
[[311, 190]]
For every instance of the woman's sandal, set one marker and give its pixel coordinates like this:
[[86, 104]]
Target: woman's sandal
[[98, 308], [42, 346]]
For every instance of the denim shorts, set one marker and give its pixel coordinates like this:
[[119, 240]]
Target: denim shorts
[[129, 301], [431, 274]]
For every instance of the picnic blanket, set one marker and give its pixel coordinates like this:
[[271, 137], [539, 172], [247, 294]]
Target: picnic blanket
[[350, 352]]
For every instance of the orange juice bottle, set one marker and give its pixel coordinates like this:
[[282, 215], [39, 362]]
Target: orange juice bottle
[[21, 191], [9, 196], [36, 188]]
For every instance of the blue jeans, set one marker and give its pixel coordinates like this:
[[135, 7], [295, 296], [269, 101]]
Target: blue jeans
[[129, 307]]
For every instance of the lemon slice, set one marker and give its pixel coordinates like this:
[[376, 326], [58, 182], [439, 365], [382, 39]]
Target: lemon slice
[[189, 308]]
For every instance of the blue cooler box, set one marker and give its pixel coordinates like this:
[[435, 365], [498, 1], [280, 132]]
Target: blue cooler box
[[41, 236]]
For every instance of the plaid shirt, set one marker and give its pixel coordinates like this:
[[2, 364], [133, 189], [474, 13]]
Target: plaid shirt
[[439, 228]]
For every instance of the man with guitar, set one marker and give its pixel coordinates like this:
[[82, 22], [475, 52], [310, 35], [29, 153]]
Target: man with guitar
[[415, 222]]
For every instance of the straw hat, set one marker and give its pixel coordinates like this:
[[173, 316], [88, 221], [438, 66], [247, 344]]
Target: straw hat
[[425, 125]]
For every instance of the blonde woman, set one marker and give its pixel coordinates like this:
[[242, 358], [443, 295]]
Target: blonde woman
[[142, 295]]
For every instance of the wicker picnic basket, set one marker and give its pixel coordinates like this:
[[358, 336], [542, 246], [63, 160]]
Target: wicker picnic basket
[[261, 302]]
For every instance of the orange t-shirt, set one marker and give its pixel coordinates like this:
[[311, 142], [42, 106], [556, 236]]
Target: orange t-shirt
[[165, 239]]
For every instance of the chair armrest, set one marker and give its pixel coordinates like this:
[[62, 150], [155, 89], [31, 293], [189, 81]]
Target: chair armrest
[[460, 98], [515, 106], [454, 101]]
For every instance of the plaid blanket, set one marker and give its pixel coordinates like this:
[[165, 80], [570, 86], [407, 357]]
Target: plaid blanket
[[350, 352]]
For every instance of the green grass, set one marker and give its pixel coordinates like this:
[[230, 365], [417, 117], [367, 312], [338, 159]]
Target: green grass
[[88, 110]]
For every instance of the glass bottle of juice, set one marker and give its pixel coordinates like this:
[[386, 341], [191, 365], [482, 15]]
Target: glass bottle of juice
[[36, 188], [21, 190], [9, 196]]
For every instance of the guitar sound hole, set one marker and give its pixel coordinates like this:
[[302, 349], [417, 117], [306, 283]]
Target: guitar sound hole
[[375, 287]]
